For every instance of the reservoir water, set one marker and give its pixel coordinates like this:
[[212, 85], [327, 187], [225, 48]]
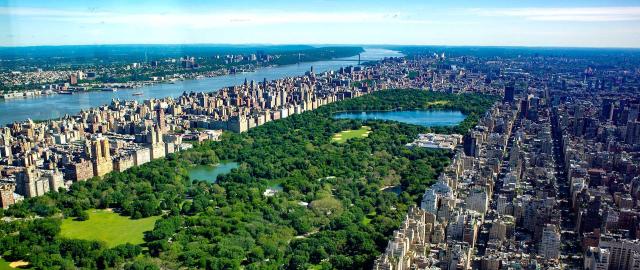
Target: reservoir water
[[210, 173], [431, 118], [55, 106]]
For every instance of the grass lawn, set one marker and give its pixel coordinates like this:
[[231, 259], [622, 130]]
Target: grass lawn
[[4, 265], [367, 219], [108, 227], [343, 136]]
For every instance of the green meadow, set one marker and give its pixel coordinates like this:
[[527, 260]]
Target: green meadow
[[108, 227], [4, 265], [343, 136]]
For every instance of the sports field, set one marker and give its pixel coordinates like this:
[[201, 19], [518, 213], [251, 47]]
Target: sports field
[[343, 136], [108, 227]]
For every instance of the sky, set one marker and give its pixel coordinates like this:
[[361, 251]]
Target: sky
[[561, 23]]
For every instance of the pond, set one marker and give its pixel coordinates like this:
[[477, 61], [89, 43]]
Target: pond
[[210, 173], [430, 118]]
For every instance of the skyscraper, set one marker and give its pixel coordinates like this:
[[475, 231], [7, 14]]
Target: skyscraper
[[550, 242], [633, 132], [102, 163], [509, 93], [160, 119], [6, 195], [623, 252], [596, 259], [73, 79], [607, 110]]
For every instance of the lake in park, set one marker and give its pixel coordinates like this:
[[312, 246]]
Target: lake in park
[[210, 173], [430, 118]]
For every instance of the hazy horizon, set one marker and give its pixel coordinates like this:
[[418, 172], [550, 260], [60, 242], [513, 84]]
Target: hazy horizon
[[580, 24], [383, 46]]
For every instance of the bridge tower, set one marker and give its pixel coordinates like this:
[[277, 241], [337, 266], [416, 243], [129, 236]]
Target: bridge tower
[[358, 59]]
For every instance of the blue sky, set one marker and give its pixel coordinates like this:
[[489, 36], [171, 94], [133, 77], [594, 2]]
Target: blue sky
[[583, 23]]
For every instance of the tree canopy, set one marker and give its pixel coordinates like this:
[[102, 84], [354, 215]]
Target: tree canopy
[[332, 212]]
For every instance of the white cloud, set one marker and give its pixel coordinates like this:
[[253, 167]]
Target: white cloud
[[213, 19], [579, 14], [43, 12]]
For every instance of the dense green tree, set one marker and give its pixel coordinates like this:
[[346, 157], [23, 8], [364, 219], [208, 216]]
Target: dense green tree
[[331, 212]]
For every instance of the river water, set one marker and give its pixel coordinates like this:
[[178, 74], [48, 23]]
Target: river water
[[55, 106]]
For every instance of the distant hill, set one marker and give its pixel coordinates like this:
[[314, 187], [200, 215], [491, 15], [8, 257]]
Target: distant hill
[[152, 51], [509, 51]]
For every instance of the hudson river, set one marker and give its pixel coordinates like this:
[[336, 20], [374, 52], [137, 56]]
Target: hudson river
[[55, 106]]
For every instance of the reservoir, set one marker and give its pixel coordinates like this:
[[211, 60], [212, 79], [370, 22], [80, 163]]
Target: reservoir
[[210, 173], [56, 106], [430, 118]]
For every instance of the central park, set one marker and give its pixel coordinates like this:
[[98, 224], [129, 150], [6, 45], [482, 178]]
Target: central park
[[331, 212]]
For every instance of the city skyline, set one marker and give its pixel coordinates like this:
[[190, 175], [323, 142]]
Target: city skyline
[[322, 135], [463, 23]]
